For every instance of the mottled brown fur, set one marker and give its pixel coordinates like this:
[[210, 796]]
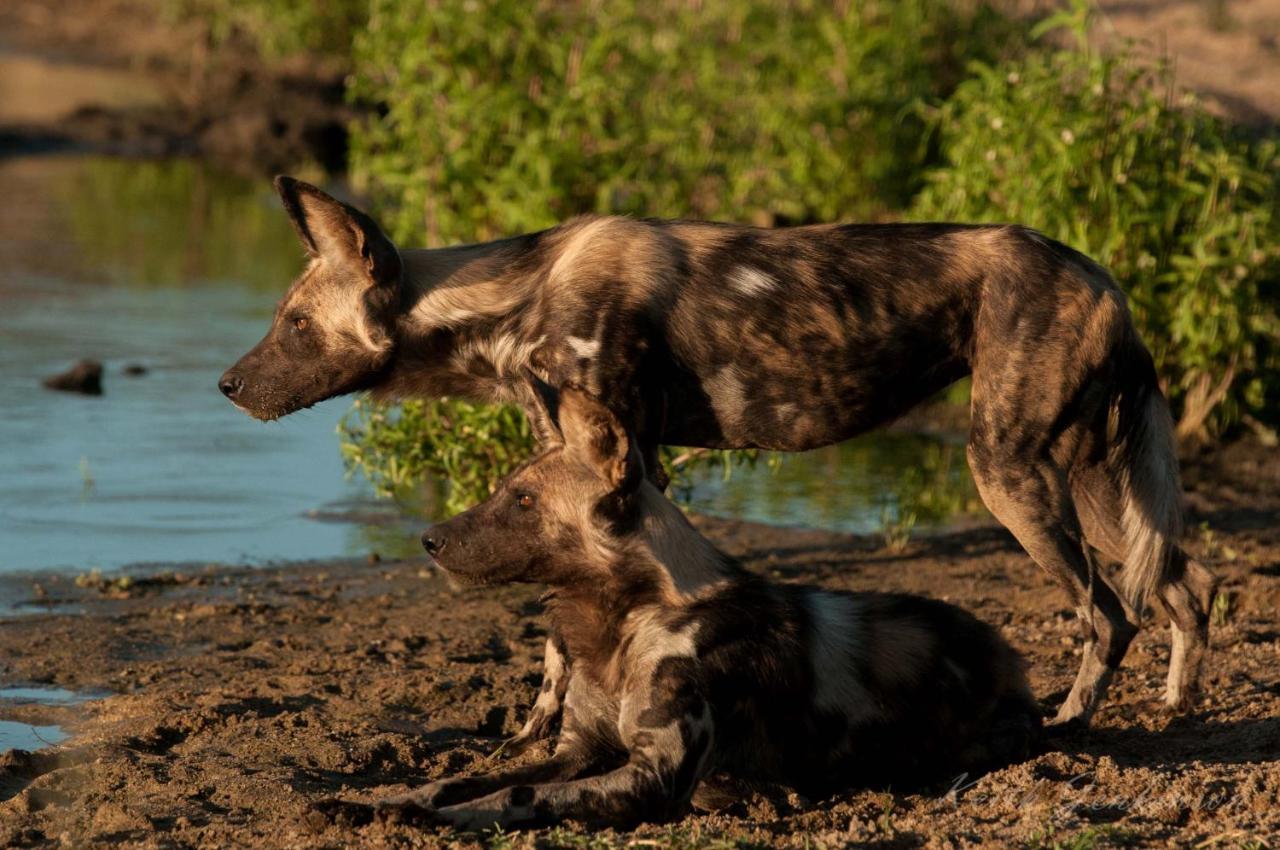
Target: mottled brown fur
[[676, 678], [716, 335]]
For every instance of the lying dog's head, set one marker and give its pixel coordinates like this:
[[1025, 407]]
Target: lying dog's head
[[559, 518], [334, 330]]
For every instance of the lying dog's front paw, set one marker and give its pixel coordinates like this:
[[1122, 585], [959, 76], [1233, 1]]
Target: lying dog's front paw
[[433, 795], [406, 812], [342, 813]]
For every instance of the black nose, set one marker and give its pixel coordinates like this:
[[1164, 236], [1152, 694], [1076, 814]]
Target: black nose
[[433, 541], [231, 385]]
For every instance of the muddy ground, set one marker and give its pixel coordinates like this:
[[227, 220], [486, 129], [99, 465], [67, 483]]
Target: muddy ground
[[241, 696]]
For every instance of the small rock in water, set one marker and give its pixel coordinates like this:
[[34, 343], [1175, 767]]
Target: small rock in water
[[85, 377], [135, 370]]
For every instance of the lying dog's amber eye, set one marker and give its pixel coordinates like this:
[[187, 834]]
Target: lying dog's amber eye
[[300, 323], [524, 500]]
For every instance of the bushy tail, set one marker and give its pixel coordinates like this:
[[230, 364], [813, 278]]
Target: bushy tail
[[1144, 463]]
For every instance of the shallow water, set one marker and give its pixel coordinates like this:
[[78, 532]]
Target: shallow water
[[25, 736], [41, 695], [176, 267]]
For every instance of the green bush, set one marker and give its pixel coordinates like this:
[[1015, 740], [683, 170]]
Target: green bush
[[1094, 150], [507, 117], [460, 450]]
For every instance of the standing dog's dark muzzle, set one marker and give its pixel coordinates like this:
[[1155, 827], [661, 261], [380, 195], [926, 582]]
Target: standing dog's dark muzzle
[[230, 384]]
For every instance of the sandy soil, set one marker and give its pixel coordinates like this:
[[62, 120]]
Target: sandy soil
[[241, 696], [1228, 51]]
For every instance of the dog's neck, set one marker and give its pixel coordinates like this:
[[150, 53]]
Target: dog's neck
[[460, 327], [664, 565], [688, 563], [450, 288]]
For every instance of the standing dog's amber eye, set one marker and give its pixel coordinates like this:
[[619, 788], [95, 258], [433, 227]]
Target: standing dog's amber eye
[[300, 323], [524, 500]]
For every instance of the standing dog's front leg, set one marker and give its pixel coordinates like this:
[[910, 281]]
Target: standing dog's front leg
[[668, 738], [547, 707]]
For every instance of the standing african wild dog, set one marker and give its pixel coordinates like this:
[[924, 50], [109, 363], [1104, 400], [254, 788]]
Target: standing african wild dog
[[701, 334], [685, 666]]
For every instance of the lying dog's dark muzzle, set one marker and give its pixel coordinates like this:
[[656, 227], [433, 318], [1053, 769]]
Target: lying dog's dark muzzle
[[433, 541]]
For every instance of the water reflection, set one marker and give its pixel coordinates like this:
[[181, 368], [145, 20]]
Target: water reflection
[[177, 223], [856, 486]]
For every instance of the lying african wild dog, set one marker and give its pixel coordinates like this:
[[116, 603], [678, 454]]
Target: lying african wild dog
[[685, 665], [700, 334]]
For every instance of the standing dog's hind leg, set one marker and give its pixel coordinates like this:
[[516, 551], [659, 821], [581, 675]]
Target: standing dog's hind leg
[[1030, 498], [1188, 601], [1187, 596]]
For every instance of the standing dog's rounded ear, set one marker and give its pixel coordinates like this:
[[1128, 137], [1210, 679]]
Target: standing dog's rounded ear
[[599, 439], [338, 232]]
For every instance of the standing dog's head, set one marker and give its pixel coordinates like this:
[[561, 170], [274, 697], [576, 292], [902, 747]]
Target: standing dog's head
[[560, 517], [333, 332]]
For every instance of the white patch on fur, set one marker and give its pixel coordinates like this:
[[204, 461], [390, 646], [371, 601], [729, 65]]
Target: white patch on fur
[[837, 621], [652, 641], [752, 281], [586, 348], [688, 558], [728, 395], [956, 670]]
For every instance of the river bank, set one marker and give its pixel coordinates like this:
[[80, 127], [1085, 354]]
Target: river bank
[[134, 78]]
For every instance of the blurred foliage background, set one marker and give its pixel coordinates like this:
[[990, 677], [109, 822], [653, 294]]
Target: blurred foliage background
[[485, 118]]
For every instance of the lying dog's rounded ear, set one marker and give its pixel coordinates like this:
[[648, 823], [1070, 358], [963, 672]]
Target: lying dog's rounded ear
[[598, 438], [542, 405], [339, 232]]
